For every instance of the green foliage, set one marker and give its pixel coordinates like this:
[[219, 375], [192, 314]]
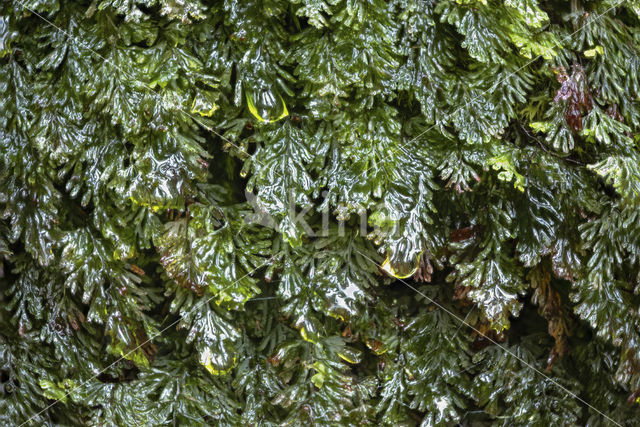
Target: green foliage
[[204, 205]]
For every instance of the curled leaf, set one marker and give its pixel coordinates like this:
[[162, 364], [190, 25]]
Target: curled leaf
[[214, 363], [401, 269], [266, 104]]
